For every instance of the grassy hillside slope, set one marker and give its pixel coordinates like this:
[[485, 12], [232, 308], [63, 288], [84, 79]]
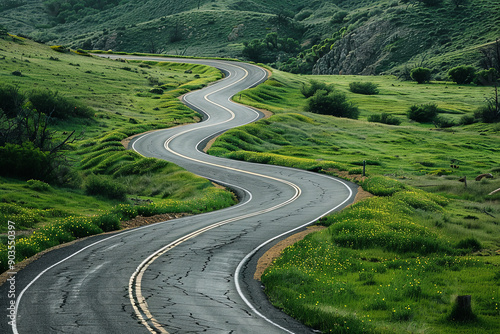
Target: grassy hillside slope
[[396, 262], [103, 183], [440, 36]]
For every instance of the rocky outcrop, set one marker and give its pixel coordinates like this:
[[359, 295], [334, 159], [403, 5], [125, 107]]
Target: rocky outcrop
[[106, 42], [237, 31], [363, 50]]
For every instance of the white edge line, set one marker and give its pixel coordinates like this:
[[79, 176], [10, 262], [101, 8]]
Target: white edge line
[[118, 234], [252, 253]]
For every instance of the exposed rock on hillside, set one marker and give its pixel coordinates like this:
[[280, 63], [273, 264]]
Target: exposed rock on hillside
[[237, 31], [363, 50]]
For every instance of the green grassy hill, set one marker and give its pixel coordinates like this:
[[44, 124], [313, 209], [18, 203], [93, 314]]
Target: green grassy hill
[[95, 182], [412, 33], [395, 262]]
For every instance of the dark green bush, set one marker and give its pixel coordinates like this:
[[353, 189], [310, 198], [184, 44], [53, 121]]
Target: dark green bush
[[463, 74], [442, 122], [423, 113], [11, 100], [489, 113], [467, 120], [105, 186], [486, 77], [339, 16], [156, 90], [366, 88], [382, 186], [25, 161], [52, 104], [81, 227], [38, 185], [313, 86], [420, 74], [471, 244], [384, 118], [107, 223], [333, 103]]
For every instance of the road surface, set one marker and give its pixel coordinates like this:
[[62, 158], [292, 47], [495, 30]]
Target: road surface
[[188, 275]]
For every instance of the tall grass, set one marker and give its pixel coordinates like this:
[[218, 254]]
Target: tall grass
[[377, 268], [75, 227], [394, 262], [104, 174]]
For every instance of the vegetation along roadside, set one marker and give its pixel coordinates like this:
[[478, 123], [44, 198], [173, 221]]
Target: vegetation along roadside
[[64, 173], [395, 262]]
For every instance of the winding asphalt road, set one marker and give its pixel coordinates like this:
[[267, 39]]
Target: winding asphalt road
[[188, 275]]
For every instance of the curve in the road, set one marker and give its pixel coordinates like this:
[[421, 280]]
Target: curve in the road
[[266, 212]]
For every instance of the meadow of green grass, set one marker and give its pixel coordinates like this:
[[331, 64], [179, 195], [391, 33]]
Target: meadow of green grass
[[395, 262], [128, 98]]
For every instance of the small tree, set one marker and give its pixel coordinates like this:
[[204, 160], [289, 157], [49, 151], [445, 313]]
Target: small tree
[[486, 77], [490, 112], [310, 89], [11, 100], [423, 113], [463, 74], [333, 103], [421, 74]]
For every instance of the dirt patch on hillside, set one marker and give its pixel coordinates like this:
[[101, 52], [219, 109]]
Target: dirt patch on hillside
[[141, 221]]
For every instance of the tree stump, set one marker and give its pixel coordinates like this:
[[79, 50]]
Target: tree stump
[[462, 309]]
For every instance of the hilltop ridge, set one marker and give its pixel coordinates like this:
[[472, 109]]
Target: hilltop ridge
[[349, 37]]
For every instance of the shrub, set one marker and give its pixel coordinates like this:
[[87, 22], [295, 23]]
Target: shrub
[[471, 244], [486, 77], [11, 100], [156, 90], [333, 103], [420, 74], [423, 113], [442, 122], [366, 88], [80, 227], [107, 223], [384, 118], [313, 86], [467, 120], [382, 186], [52, 104], [38, 185], [488, 113], [462, 74], [104, 186], [338, 17], [26, 161]]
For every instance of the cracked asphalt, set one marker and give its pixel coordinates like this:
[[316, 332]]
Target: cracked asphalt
[[84, 288]]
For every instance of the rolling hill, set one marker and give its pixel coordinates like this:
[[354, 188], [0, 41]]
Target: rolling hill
[[336, 36]]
